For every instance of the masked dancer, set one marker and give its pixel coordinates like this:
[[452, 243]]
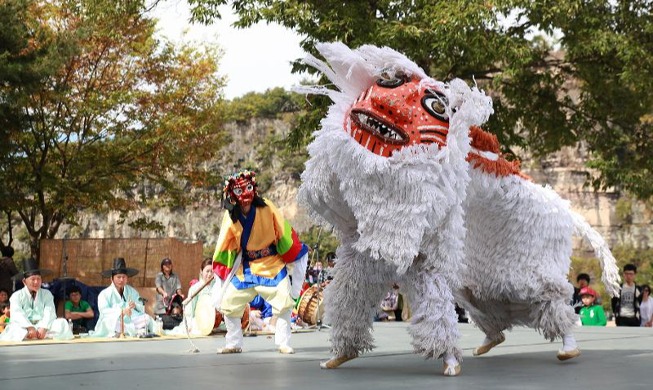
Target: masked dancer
[[257, 252]]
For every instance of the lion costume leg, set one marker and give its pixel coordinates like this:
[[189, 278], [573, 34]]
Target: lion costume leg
[[492, 317], [556, 319], [351, 301], [434, 323]]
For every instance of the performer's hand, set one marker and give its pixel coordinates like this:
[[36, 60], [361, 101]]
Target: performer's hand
[[165, 295], [41, 333], [127, 311], [31, 333], [132, 305]]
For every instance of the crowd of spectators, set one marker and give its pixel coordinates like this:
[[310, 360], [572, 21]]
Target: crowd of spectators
[[633, 307]]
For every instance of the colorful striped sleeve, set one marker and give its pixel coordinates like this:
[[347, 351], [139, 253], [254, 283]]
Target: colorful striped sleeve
[[226, 249], [288, 244]]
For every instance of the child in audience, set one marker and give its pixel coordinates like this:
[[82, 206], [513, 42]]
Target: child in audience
[[4, 318], [591, 314]]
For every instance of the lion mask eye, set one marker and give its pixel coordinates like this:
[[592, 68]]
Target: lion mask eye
[[391, 80], [435, 104]]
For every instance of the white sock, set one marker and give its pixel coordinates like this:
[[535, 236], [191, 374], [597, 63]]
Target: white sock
[[282, 332], [450, 360], [234, 337], [487, 341], [569, 342]]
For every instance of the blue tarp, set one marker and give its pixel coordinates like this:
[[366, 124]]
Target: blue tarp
[[60, 288]]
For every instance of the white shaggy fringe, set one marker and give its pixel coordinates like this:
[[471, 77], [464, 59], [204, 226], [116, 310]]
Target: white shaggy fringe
[[390, 210], [524, 232], [424, 217]]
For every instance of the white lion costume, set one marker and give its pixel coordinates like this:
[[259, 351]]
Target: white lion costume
[[419, 194]]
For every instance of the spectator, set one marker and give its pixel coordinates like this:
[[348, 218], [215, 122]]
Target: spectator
[[4, 318], [331, 263], [78, 310], [583, 280], [168, 288], [4, 295], [7, 269], [33, 315], [626, 306], [392, 305], [316, 274], [205, 295], [646, 307], [121, 300], [591, 314]]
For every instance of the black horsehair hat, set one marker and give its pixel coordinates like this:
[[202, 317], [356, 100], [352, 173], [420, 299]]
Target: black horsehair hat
[[119, 267], [30, 268]]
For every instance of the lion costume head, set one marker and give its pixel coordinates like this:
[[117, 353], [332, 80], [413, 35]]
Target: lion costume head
[[388, 167]]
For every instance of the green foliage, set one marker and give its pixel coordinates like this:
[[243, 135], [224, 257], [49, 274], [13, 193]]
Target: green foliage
[[268, 105], [107, 110], [592, 84], [321, 242], [624, 210], [642, 258], [146, 224], [274, 154]]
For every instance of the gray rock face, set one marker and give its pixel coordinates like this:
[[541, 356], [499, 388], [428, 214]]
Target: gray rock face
[[564, 171], [201, 221], [620, 221]]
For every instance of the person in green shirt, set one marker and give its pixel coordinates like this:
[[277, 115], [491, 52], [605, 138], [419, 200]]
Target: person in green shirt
[[591, 314], [78, 310]]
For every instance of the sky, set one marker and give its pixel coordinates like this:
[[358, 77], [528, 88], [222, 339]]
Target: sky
[[255, 59]]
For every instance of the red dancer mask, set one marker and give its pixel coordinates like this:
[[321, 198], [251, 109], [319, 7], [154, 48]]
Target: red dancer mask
[[240, 188]]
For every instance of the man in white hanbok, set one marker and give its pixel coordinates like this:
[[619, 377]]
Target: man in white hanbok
[[33, 314], [121, 300]]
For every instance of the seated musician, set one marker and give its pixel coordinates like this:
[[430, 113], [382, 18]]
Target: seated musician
[[33, 315], [120, 307], [205, 283]]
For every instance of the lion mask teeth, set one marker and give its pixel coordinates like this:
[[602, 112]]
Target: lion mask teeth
[[379, 127]]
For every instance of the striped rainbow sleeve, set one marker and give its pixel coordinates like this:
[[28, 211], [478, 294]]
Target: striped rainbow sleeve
[[288, 244]]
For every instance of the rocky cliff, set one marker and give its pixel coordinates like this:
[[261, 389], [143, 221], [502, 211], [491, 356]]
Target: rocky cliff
[[619, 220]]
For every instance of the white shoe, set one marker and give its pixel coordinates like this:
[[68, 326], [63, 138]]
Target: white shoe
[[451, 370], [223, 351], [286, 350], [336, 361], [483, 349], [566, 355]]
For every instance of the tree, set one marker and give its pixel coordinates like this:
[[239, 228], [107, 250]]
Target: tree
[[117, 109], [269, 104], [592, 84], [21, 64]]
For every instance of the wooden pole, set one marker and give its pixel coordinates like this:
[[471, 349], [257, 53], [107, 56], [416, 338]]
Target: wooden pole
[[190, 298], [122, 326]]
